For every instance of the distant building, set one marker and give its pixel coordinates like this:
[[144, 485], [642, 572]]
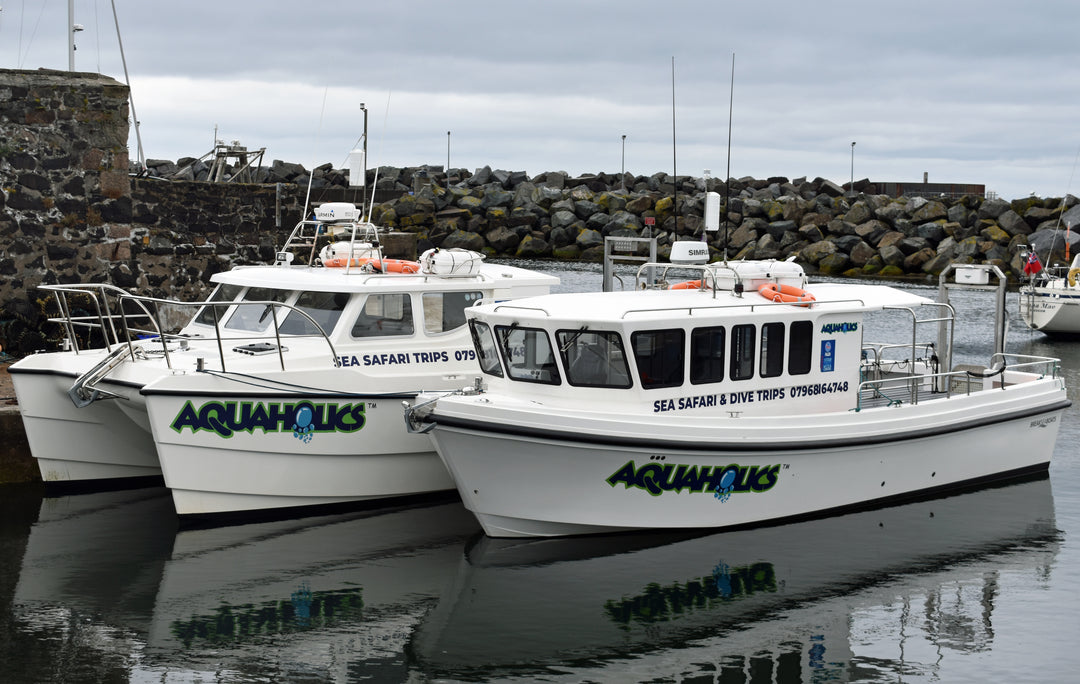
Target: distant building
[[930, 190]]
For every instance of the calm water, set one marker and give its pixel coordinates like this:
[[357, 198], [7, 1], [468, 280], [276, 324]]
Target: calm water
[[973, 588]]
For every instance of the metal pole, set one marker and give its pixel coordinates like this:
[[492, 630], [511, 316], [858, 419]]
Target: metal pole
[[448, 158], [71, 35], [853, 166], [624, 162]]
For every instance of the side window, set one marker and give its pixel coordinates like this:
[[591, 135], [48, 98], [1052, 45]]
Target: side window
[[384, 315], [225, 293], [659, 357], [528, 355], [486, 351], [772, 349], [742, 352], [707, 355], [257, 318], [593, 358], [800, 347], [445, 311], [324, 307]]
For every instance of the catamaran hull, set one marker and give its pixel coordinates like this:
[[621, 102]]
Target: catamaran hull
[[523, 485], [108, 439], [240, 454]]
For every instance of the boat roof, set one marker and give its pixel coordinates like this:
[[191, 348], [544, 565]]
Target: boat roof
[[635, 304], [323, 279]]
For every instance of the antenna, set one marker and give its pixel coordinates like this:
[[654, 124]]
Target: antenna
[[311, 174], [727, 179], [674, 158]]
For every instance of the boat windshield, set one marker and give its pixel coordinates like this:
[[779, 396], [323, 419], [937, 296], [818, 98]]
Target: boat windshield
[[324, 307], [254, 318], [224, 293], [593, 358], [528, 354], [486, 351]]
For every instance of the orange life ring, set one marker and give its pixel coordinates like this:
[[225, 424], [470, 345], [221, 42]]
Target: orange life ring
[[686, 285], [787, 294], [378, 265]]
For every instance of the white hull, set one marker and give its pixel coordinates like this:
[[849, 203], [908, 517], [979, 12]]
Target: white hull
[[584, 480], [107, 440], [213, 469], [1053, 309]]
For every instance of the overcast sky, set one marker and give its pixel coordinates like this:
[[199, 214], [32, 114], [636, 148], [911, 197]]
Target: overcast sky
[[984, 92]]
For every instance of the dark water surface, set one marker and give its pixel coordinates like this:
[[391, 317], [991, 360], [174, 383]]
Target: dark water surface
[[973, 588]]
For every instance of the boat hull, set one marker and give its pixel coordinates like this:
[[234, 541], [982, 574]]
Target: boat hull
[[522, 485], [221, 455], [107, 440], [1054, 310]]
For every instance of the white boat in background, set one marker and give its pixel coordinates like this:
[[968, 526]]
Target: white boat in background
[[284, 388], [722, 406], [1050, 300]]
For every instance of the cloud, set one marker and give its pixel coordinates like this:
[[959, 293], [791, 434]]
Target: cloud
[[968, 92]]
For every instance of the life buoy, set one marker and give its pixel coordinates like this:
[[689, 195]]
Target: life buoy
[[686, 285], [377, 265], [1073, 272], [787, 294]]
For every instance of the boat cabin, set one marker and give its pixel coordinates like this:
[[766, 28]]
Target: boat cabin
[[721, 347]]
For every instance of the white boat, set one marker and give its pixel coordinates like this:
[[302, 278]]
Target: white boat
[[717, 407], [282, 390], [1050, 300]]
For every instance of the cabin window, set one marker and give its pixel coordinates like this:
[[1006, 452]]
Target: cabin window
[[225, 293], [528, 355], [742, 351], [255, 317], [445, 311], [593, 358], [384, 315], [772, 350], [800, 347], [707, 355], [324, 307], [659, 357], [486, 351]]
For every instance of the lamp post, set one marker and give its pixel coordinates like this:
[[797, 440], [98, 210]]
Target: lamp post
[[853, 166], [623, 175], [448, 154]]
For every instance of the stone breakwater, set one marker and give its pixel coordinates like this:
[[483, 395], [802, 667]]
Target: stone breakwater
[[828, 229]]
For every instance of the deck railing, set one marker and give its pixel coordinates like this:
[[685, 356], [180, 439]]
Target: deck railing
[[135, 321]]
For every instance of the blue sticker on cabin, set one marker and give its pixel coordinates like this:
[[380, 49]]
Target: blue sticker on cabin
[[827, 357]]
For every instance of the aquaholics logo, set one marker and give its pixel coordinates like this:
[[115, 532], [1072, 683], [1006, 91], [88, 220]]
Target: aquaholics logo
[[722, 481], [304, 419]]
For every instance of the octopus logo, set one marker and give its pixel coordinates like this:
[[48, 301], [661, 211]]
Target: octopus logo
[[726, 484], [303, 426]]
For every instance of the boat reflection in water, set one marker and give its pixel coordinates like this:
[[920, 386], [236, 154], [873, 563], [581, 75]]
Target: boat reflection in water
[[794, 601], [108, 586], [109, 591], [344, 593]]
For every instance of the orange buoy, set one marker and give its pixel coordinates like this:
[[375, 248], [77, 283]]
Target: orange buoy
[[686, 285], [787, 294], [377, 265]]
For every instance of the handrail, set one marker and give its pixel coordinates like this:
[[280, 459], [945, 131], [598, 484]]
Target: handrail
[[148, 308], [911, 382]]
